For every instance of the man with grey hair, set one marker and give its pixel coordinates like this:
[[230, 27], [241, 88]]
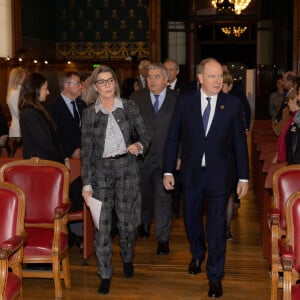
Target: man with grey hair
[[156, 106], [143, 72]]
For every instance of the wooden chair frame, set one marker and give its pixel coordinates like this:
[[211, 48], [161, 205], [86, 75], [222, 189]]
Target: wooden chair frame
[[60, 220], [277, 223], [11, 250], [290, 274]]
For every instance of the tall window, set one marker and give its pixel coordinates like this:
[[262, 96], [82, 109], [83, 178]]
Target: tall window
[[177, 42]]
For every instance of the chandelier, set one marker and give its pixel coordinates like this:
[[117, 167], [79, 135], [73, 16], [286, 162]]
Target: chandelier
[[232, 31], [230, 6]]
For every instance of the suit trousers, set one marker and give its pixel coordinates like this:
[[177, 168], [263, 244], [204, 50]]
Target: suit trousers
[[216, 203], [117, 186], [156, 201]]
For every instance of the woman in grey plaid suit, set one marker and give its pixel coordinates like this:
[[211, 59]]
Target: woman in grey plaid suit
[[109, 169]]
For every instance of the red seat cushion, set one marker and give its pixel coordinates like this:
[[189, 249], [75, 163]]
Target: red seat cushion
[[13, 286], [39, 242], [296, 292]]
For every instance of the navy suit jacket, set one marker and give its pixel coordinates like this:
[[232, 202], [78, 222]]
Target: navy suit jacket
[[156, 125], [225, 145], [69, 133]]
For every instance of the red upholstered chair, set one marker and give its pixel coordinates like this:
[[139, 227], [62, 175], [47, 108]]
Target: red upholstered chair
[[12, 238], [290, 249], [45, 184], [286, 181]]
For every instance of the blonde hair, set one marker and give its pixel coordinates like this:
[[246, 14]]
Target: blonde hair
[[15, 76], [92, 94]]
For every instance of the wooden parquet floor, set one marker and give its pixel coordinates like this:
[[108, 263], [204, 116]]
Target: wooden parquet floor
[[166, 277]]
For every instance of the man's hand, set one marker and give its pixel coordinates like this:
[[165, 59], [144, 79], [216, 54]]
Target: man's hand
[[169, 182], [242, 189]]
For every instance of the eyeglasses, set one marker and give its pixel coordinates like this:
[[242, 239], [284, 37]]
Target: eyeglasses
[[74, 82], [103, 82]]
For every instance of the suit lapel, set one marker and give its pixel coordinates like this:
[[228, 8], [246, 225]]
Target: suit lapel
[[217, 119]]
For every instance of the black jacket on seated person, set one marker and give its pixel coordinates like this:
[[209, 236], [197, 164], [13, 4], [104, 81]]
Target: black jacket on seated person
[[293, 141], [39, 136]]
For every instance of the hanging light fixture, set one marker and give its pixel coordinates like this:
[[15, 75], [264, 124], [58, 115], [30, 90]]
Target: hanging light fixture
[[233, 31], [230, 6]]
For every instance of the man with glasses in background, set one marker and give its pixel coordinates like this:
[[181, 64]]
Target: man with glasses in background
[[66, 111]]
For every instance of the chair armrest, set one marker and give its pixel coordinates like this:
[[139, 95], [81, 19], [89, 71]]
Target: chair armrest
[[76, 215], [61, 210], [10, 246], [287, 256]]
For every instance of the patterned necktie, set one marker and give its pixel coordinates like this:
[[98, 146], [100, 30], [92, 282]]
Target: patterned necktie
[[75, 114], [156, 103], [206, 114]]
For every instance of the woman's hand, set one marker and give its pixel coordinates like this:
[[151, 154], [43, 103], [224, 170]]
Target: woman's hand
[[86, 196], [67, 163], [135, 149]]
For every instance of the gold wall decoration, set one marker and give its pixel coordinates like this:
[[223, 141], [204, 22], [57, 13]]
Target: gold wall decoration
[[105, 50], [113, 28]]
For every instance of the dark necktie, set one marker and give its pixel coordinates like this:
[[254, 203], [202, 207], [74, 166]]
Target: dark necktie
[[206, 114], [156, 103], [75, 114]]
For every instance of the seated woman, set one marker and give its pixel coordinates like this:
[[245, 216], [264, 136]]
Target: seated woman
[[284, 140], [293, 136]]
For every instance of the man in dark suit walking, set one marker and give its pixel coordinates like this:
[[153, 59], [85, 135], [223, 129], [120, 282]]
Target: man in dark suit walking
[[66, 111], [156, 106], [210, 128]]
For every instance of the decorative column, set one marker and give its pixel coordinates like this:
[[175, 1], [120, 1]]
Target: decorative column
[[265, 43], [155, 30], [6, 47], [191, 51]]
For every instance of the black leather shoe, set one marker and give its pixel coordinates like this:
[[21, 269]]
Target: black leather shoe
[[215, 289], [163, 247], [128, 269], [104, 286], [145, 231], [195, 266]]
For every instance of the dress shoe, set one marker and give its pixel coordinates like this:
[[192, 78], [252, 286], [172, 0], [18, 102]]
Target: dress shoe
[[229, 237], [195, 266], [128, 269], [215, 289], [163, 247], [104, 286], [145, 231]]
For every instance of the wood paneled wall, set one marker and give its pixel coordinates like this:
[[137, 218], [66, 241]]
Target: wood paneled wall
[[123, 69]]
